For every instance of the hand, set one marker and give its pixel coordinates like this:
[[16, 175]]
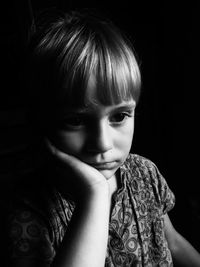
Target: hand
[[76, 178]]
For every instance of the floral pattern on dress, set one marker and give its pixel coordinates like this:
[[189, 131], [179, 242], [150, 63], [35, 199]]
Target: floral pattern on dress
[[136, 228], [136, 236]]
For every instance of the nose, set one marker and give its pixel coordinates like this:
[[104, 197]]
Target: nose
[[100, 140]]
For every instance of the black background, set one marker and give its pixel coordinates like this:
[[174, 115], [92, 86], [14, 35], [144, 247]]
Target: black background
[[165, 39]]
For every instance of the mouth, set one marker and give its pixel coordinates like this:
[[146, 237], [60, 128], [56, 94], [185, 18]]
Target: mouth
[[104, 165]]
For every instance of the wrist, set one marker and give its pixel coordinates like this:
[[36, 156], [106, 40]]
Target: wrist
[[98, 194]]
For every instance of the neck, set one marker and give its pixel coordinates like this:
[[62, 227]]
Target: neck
[[113, 184]]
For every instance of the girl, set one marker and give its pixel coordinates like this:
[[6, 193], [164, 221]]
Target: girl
[[91, 203]]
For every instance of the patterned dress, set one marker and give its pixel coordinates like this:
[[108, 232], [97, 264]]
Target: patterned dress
[[38, 221]]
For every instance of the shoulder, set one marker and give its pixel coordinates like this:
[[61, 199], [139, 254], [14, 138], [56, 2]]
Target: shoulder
[[140, 168], [140, 165], [37, 216], [28, 237], [36, 224], [143, 175]]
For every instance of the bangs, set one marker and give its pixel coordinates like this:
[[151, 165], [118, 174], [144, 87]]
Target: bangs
[[64, 55], [113, 65], [118, 77]]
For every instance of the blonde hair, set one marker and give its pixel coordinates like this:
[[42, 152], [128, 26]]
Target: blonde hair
[[66, 50]]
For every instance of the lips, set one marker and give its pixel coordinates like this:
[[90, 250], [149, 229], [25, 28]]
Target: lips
[[104, 165]]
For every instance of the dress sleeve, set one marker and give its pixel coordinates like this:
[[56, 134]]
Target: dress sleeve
[[162, 191], [29, 238]]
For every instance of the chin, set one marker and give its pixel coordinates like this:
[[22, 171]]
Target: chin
[[108, 174]]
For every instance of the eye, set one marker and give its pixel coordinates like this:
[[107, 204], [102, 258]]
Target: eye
[[119, 117], [72, 122]]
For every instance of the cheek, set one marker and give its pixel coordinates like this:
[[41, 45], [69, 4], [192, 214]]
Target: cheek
[[71, 143], [125, 137]]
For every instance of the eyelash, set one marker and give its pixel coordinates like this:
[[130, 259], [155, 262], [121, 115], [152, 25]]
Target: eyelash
[[76, 122], [124, 115]]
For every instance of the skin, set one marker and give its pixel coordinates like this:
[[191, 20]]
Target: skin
[[99, 136], [103, 134], [90, 143], [83, 149]]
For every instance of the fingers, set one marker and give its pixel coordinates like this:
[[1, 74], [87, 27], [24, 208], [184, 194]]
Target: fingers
[[74, 163], [55, 152], [76, 173], [49, 145]]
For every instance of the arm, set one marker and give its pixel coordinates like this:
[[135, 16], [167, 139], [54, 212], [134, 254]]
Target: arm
[[85, 242], [183, 253]]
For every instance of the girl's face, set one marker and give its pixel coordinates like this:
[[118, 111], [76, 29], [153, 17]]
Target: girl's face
[[100, 136]]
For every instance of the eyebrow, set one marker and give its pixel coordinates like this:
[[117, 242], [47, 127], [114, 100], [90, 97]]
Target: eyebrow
[[124, 107], [86, 109]]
